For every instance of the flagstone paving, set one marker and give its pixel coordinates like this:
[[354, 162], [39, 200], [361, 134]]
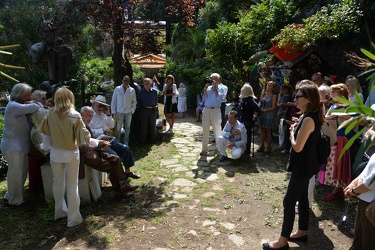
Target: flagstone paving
[[228, 230]]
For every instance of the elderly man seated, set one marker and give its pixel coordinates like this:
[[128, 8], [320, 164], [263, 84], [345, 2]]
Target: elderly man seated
[[233, 136], [102, 123], [94, 156]]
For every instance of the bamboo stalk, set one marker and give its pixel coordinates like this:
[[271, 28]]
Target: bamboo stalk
[[5, 52], [10, 66], [9, 46], [9, 77]]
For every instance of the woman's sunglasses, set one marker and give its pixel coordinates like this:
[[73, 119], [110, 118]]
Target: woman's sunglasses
[[298, 96]]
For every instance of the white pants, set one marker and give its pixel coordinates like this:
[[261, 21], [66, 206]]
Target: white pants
[[65, 175], [18, 167], [222, 143], [213, 117]]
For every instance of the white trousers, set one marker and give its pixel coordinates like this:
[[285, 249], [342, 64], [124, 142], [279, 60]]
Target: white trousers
[[222, 143], [18, 167], [210, 117], [65, 176]]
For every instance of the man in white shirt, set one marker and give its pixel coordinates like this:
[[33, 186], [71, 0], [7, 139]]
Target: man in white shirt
[[123, 105], [104, 162], [234, 137], [103, 123], [213, 96]]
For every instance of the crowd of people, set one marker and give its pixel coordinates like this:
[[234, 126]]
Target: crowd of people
[[299, 116]]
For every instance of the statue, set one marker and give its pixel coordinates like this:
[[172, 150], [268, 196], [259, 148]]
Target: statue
[[59, 55]]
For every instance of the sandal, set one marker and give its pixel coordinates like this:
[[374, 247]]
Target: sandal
[[132, 175]]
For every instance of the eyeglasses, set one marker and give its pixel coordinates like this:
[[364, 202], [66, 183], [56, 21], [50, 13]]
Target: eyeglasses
[[101, 106], [299, 96]]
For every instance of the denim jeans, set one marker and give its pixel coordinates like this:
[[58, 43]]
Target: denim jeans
[[123, 151], [125, 119]]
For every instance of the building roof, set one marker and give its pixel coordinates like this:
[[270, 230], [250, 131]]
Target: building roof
[[150, 61]]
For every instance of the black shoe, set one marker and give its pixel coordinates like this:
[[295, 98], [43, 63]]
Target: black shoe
[[223, 158], [299, 239], [132, 175], [267, 246]]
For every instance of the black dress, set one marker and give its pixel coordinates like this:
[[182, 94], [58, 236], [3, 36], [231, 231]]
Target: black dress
[[170, 107]]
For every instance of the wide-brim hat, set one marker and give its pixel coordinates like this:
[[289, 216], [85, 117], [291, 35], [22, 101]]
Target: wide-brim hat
[[100, 99]]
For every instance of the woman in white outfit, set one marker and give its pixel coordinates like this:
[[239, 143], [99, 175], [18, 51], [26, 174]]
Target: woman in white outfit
[[181, 101], [15, 144], [63, 131]]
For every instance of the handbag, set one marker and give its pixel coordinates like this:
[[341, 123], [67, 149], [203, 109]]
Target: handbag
[[370, 212]]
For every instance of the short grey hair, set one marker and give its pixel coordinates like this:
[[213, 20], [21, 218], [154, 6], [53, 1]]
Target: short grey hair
[[85, 109], [38, 95], [216, 75], [19, 90]]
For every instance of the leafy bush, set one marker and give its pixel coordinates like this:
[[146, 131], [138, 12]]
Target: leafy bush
[[331, 22], [96, 71]]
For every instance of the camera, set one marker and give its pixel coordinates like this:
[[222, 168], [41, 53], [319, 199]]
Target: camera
[[208, 80]]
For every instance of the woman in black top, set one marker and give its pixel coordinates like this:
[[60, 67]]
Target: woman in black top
[[248, 110], [303, 163]]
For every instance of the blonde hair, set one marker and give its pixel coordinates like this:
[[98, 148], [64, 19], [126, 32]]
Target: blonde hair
[[247, 91], [64, 101]]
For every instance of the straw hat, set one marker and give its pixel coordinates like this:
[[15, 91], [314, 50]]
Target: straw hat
[[100, 99]]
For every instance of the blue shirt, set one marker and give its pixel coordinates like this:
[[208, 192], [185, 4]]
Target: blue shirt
[[211, 100], [147, 98]]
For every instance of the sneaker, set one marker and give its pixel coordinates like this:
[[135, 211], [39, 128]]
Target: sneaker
[[171, 130]]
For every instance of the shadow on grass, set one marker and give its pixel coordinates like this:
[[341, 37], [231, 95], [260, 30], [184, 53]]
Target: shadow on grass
[[31, 226]]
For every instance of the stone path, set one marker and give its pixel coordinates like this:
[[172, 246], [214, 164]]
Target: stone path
[[228, 228], [189, 145]]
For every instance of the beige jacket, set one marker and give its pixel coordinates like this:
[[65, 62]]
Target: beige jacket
[[67, 133]]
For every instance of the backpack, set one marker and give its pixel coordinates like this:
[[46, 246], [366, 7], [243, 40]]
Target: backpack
[[324, 148]]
